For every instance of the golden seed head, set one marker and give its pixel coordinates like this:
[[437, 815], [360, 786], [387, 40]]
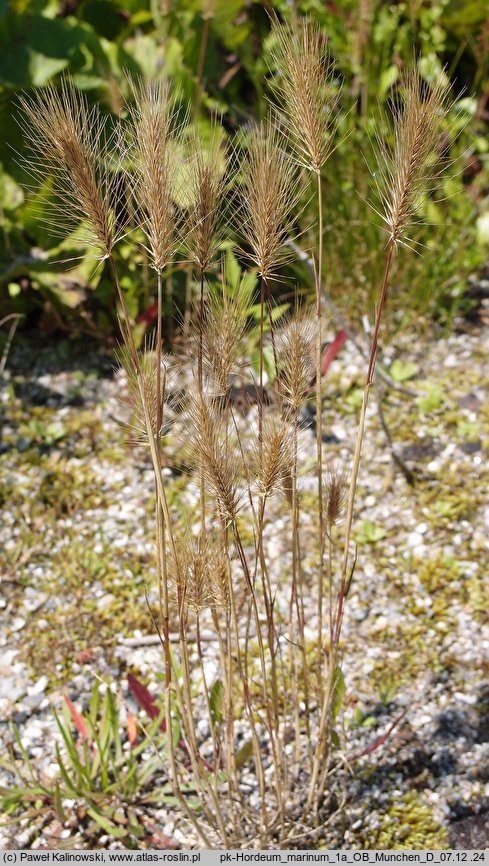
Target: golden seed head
[[306, 90]]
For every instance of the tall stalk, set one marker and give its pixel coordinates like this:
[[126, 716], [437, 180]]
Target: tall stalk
[[319, 434]]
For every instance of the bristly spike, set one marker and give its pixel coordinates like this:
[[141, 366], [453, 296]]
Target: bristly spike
[[271, 190], [272, 461], [144, 376], [226, 317], [154, 149], [306, 90], [413, 167], [198, 572], [69, 140], [336, 493], [207, 178], [208, 450], [296, 346]]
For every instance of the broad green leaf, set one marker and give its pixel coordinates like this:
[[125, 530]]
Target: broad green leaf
[[232, 270]]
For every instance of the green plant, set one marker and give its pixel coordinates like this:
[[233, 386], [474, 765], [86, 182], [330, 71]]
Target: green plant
[[216, 575], [106, 774]]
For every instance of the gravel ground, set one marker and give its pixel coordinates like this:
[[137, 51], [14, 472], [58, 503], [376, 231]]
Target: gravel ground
[[76, 553]]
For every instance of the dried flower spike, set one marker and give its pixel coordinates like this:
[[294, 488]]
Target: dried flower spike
[[225, 323], [306, 91], [335, 494], [142, 376], [296, 346], [273, 459], [209, 451], [67, 139], [271, 191], [155, 137], [198, 569], [207, 182], [414, 165]]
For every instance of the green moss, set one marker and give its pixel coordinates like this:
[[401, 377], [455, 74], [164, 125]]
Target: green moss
[[409, 824]]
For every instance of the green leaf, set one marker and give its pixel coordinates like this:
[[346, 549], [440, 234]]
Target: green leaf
[[402, 371], [335, 740], [388, 77], [244, 754], [369, 533], [65, 776], [232, 270], [215, 701], [432, 400], [445, 508], [107, 825], [339, 689], [58, 804]]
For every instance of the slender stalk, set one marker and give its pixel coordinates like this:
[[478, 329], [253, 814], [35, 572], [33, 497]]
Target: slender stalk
[[200, 373], [260, 395], [361, 431], [298, 578], [204, 36], [200, 378], [319, 433], [272, 640], [126, 322], [272, 328], [338, 619], [294, 592]]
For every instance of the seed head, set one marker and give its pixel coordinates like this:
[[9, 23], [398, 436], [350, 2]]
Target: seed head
[[335, 495], [140, 395], [209, 450], [296, 346], [413, 167], [306, 90], [68, 140], [225, 323], [197, 569], [270, 192], [272, 458], [154, 148], [207, 182]]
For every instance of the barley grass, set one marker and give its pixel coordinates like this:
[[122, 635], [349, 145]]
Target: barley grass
[[272, 707]]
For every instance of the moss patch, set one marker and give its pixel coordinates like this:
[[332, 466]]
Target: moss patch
[[408, 824]]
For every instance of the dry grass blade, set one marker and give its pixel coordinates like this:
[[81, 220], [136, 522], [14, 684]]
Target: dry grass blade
[[414, 165], [154, 149], [306, 90], [271, 190], [68, 140]]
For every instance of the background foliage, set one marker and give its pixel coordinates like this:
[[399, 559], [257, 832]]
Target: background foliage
[[100, 42]]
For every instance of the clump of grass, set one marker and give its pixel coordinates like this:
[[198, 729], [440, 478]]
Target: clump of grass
[[220, 577], [107, 774]]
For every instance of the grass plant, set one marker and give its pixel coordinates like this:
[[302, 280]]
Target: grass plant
[[271, 678]]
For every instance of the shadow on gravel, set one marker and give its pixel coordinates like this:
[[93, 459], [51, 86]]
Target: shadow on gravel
[[472, 830]]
